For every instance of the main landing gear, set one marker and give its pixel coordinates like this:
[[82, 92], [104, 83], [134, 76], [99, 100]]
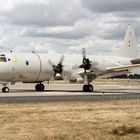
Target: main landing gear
[[88, 88], [39, 87]]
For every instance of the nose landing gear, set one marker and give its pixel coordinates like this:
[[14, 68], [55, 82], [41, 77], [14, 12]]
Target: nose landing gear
[[5, 89]]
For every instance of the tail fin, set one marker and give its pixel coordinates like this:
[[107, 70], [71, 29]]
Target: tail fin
[[128, 48]]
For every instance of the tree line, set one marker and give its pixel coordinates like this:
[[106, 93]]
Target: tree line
[[130, 76]]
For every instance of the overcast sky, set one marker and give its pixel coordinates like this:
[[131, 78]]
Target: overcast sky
[[66, 26]]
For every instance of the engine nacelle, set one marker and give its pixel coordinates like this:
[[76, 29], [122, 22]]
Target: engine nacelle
[[76, 80]]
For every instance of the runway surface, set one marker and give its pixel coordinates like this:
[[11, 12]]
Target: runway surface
[[69, 92]]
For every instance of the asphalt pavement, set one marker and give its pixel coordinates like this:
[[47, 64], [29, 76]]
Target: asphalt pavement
[[69, 92]]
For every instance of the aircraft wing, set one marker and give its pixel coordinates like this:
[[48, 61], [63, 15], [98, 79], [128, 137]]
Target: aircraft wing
[[120, 68], [110, 72]]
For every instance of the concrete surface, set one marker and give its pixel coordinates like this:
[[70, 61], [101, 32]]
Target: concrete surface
[[69, 92]]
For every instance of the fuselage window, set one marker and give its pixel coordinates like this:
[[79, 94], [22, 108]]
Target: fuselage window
[[3, 59], [27, 62]]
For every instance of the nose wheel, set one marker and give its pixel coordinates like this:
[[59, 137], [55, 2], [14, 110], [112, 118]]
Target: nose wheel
[[39, 87], [88, 88], [5, 89]]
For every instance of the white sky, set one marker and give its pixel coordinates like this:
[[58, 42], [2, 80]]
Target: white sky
[[66, 26]]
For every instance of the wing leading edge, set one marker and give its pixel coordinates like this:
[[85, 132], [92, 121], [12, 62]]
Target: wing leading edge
[[120, 68]]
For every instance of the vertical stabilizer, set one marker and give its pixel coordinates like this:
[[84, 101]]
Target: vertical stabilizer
[[128, 48]]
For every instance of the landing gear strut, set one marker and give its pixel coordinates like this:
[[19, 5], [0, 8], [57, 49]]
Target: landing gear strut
[[5, 89], [88, 88], [39, 87]]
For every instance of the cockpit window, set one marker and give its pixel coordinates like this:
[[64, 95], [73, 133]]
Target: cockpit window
[[2, 58], [2, 54]]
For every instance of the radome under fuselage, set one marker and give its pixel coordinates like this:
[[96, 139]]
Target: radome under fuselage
[[34, 67]]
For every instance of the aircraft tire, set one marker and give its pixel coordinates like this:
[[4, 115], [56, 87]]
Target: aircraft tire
[[39, 87], [84, 88], [5, 89], [88, 88]]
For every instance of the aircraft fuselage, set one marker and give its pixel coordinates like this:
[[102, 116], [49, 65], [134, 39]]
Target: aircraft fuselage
[[33, 67]]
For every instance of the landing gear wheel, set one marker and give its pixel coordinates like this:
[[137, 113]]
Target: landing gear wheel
[[42, 87], [39, 87], [85, 89], [5, 89], [88, 88]]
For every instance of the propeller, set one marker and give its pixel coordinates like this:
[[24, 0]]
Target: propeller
[[58, 69], [86, 64]]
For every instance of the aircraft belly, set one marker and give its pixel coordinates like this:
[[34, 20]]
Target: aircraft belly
[[24, 76], [44, 77]]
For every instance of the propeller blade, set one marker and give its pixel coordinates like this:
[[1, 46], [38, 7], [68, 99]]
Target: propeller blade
[[58, 69], [84, 53], [50, 62], [61, 59], [86, 63]]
